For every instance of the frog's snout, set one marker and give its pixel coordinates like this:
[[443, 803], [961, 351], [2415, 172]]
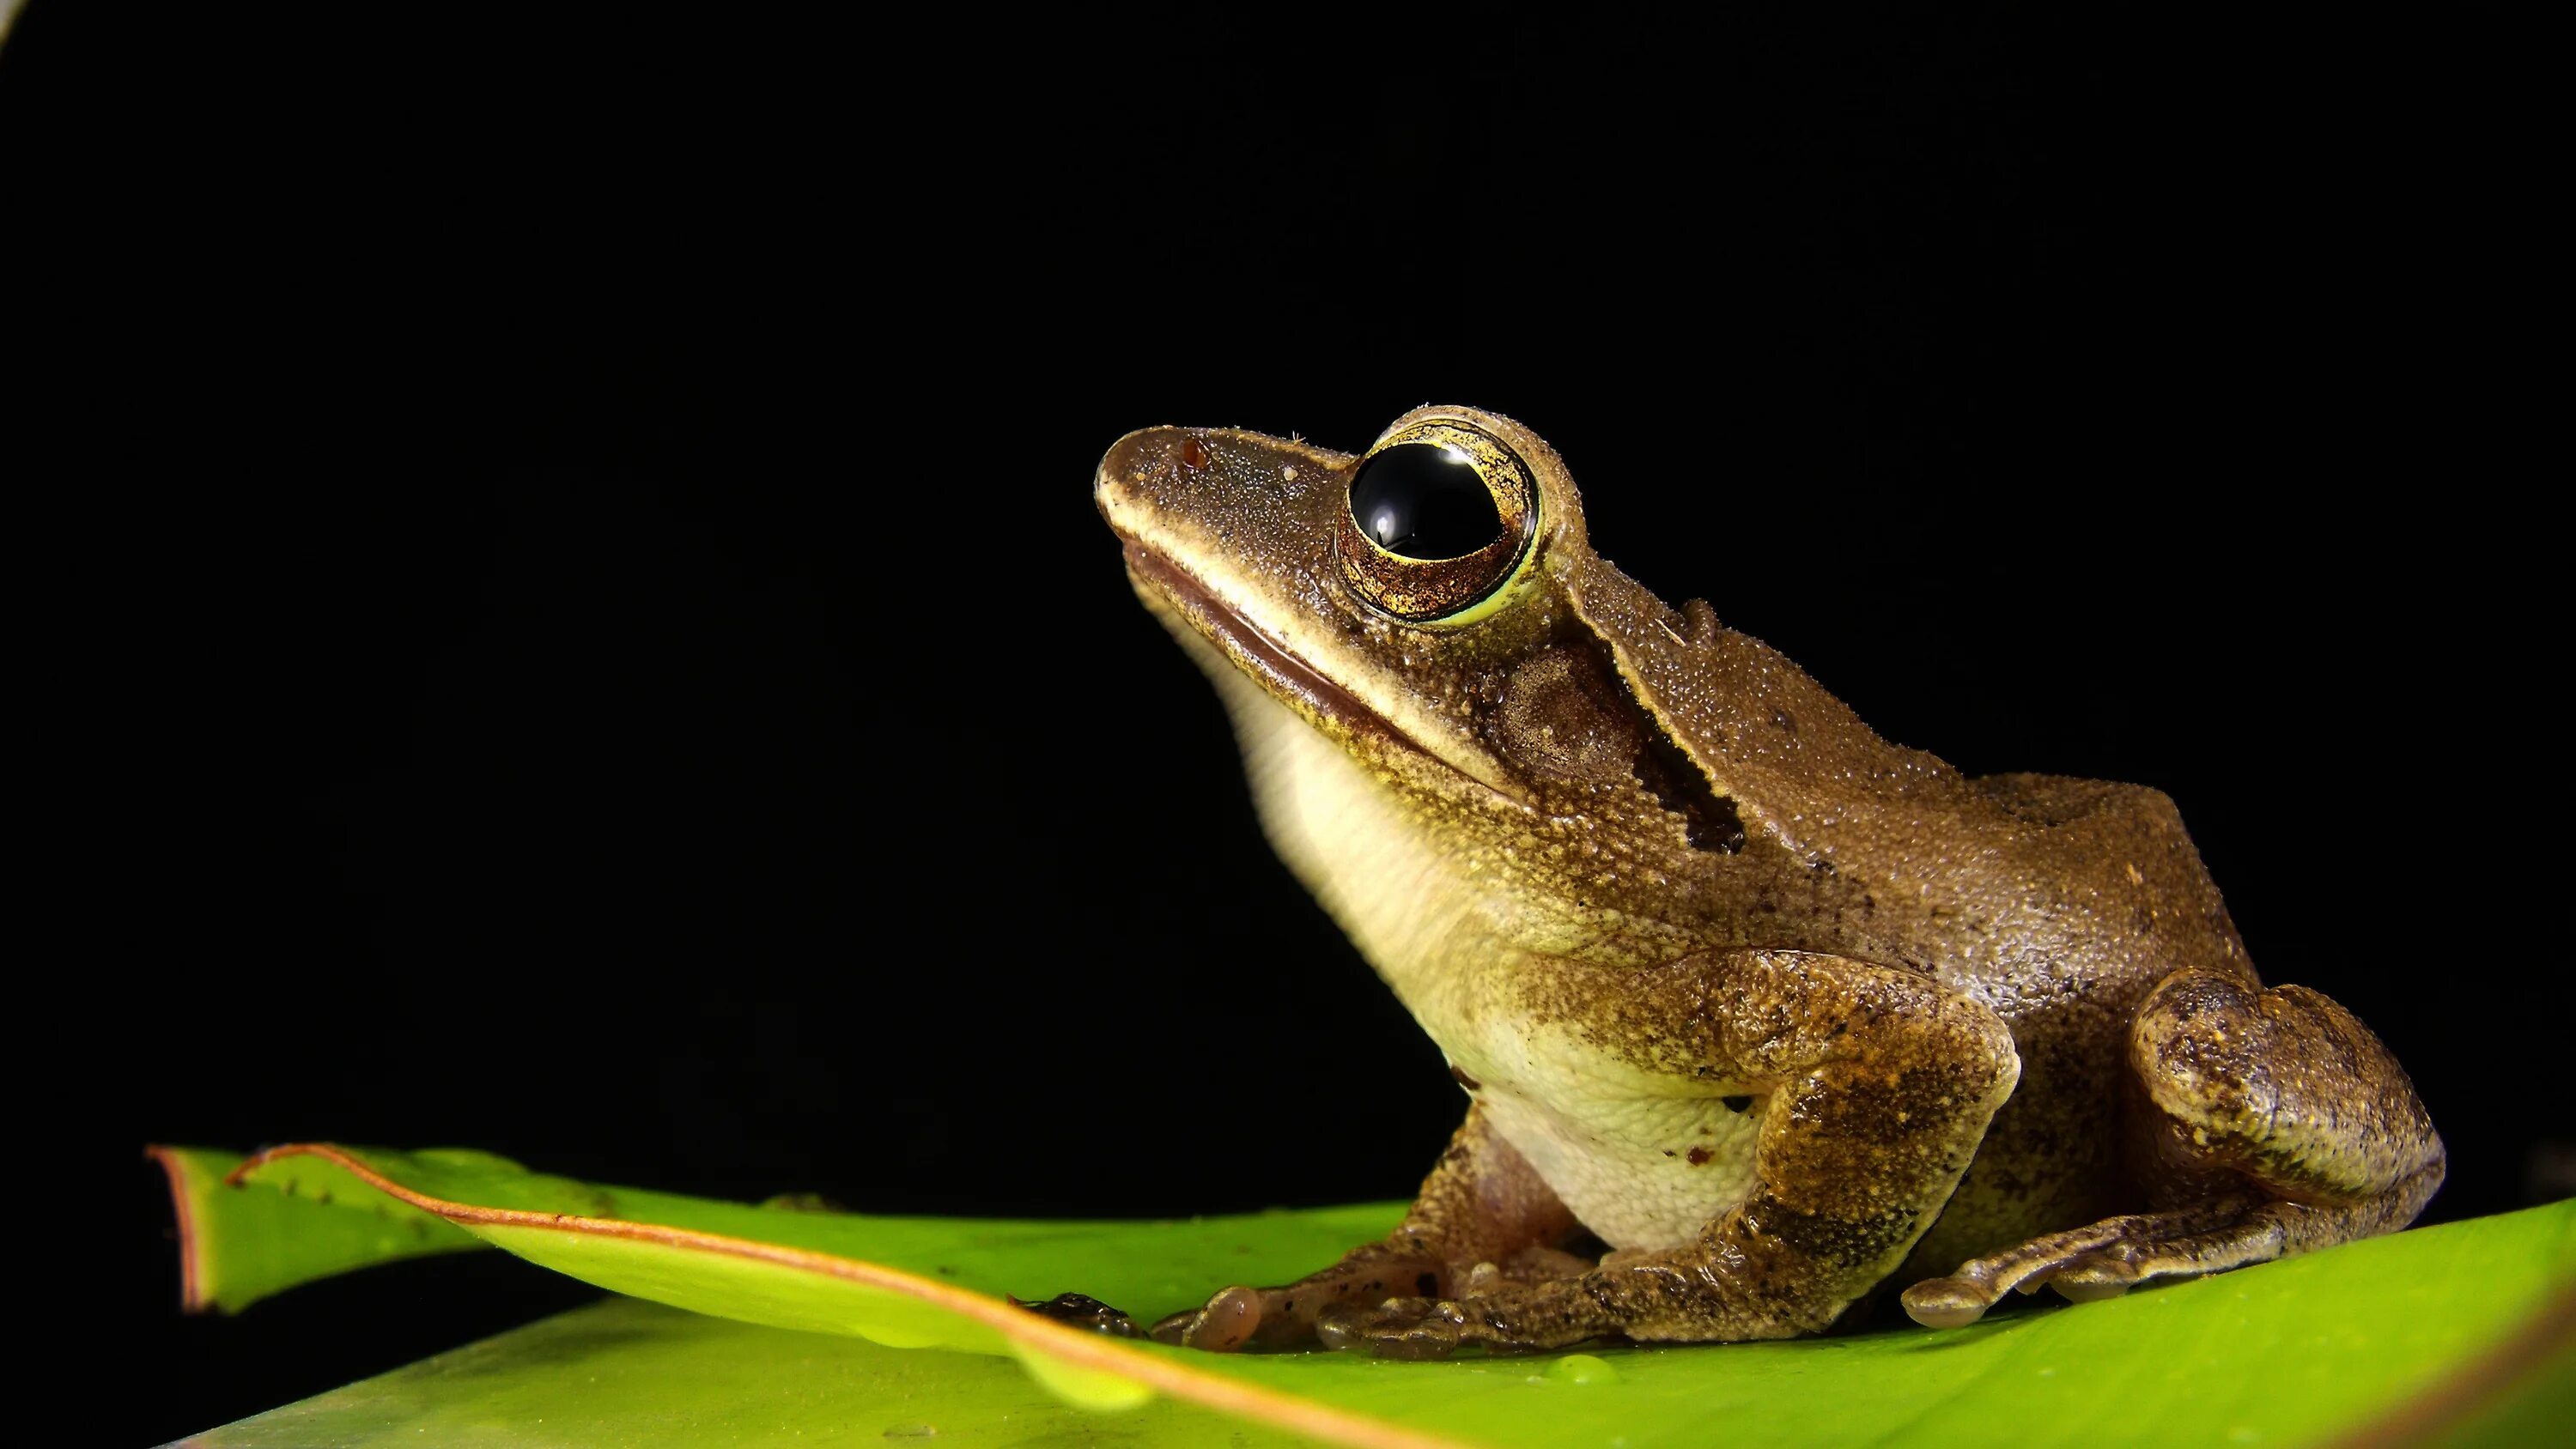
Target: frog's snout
[[1129, 463]]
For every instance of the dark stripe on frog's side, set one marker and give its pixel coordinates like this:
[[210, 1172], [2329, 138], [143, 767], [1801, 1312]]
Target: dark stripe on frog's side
[[1565, 712]]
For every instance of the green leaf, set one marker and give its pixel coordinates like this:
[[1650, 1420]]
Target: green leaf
[[236, 1248], [2452, 1325], [624, 1372]]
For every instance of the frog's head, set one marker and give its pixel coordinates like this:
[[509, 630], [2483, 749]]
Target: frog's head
[[1377, 596], [1414, 604]]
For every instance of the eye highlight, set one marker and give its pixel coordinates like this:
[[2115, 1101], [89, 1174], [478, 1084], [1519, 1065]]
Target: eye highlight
[[1425, 501], [1441, 516]]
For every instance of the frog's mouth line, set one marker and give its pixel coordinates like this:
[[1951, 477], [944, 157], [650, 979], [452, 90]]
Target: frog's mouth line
[[1281, 672]]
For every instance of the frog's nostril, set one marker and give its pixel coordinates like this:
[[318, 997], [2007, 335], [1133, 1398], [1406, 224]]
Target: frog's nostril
[[1146, 451]]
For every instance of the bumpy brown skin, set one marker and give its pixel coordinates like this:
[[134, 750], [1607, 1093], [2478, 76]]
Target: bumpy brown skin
[[2000, 1030]]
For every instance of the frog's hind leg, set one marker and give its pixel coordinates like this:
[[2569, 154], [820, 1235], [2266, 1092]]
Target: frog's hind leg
[[2270, 1123]]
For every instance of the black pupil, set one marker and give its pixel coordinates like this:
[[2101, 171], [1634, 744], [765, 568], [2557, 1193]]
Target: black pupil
[[1423, 500]]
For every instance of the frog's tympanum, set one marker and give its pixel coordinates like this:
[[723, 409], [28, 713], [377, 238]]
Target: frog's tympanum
[[1754, 1011]]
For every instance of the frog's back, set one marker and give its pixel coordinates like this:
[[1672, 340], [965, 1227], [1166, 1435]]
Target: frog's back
[[1993, 883], [2095, 873]]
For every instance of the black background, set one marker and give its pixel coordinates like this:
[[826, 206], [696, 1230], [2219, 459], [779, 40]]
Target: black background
[[588, 636]]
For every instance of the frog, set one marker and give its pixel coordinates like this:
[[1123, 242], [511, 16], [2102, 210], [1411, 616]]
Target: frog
[[1760, 1018]]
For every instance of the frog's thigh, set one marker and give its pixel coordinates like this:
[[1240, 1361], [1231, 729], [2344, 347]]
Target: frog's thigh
[[2276, 1124]]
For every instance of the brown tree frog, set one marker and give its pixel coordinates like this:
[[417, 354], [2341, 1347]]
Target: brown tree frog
[[1755, 1011]]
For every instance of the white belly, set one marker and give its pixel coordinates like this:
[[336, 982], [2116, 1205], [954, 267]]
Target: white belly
[[1644, 1162]]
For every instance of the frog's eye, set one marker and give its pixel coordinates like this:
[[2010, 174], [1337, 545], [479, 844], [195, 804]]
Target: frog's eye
[[1441, 517]]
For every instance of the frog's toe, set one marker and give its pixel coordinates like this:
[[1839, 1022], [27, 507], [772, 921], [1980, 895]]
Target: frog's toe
[[1402, 1328], [2077, 1289], [1081, 1310], [1225, 1324], [2105, 1274], [1945, 1303], [1337, 1327], [1420, 1343]]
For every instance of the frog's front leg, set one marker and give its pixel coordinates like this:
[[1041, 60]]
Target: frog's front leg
[[1879, 1087], [2267, 1123], [1483, 1217]]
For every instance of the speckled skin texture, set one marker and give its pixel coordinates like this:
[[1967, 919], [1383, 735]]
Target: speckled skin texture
[[1773, 1010]]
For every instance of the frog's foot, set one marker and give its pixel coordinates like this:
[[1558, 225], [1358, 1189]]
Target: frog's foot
[[1484, 1221], [1274, 1317], [1534, 1305], [1238, 1317], [2287, 1121], [1511, 1319], [2097, 1261], [2110, 1257], [1405, 1328]]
